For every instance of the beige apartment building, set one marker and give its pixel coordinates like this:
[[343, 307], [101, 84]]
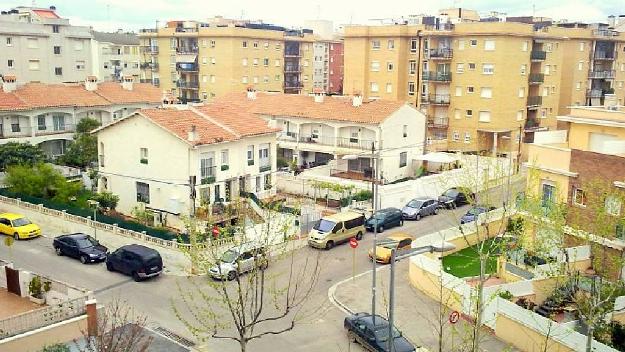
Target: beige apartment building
[[486, 86], [199, 61]]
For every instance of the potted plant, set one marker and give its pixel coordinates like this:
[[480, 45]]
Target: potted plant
[[35, 289]]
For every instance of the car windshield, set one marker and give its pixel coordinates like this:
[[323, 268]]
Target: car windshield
[[86, 242], [229, 256], [21, 222], [415, 204], [390, 244], [381, 334], [475, 211], [451, 193], [324, 225], [379, 216]]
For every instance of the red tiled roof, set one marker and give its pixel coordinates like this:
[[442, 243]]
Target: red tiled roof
[[332, 108], [9, 101], [46, 13], [141, 92], [243, 123], [39, 95]]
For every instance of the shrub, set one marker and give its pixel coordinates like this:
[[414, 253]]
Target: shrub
[[35, 287], [107, 200], [57, 347], [362, 195], [282, 162], [506, 295]]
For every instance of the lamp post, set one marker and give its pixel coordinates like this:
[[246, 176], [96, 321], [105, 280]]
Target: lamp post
[[374, 174], [395, 258], [95, 204]]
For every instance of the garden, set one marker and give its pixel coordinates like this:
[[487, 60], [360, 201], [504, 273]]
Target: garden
[[466, 262]]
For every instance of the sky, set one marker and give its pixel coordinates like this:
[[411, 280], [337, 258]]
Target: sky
[[131, 15]]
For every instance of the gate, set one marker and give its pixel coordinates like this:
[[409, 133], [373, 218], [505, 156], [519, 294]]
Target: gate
[[13, 280]]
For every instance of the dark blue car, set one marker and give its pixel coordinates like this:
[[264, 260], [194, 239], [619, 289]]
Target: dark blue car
[[360, 329], [474, 212]]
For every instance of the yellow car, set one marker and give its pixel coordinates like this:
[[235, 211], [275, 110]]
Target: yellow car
[[397, 241], [18, 226]]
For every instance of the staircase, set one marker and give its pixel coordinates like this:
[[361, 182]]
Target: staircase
[[560, 297]]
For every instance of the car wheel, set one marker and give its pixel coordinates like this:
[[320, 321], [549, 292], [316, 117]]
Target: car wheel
[[231, 275], [135, 276], [418, 217], [359, 236], [58, 251], [351, 336], [380, 229], [16, 236], [329, 245], [436, 211], [109, 267], [84, 259]]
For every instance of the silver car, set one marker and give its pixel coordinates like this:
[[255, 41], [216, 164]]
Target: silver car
[[420, 207], [238, 260]]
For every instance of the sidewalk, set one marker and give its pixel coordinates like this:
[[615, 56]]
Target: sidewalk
[[416, 315]]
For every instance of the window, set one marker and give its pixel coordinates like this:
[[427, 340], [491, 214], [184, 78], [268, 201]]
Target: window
[[458, 91], [277, 77], [389, 66], [250, 155], [33, 65], [10, 63], [523, 69], [9, 41], [459, 68], [622, 67], [266, 62], [57, 50], [207, 165], [224, 157], [578, 86], [277, 63], [58, 71], [581, 46], [547, 69], [41, 123], [255, 79], [390, 44], [548, 47], [143, 155], [460, 44], [265, 79], [80, 65], [213, 61], [204, 95], [455, 136], [412, 67], [389, 87], [255, 44], [467, 137], [488, 69], [266, 45], [212, 43], [579, 197], [375, 44], [244, 79], [613, 205], [472, 66], [263, 152], [204, 61], [410, 88], [32, 43], [469, 113], [489, 45], [620, 84], [473, 42], [580, 65], [413, 45], [470, 89], [143, 192], [524, 46], [354, 137], [55, 28], [375, 66], [405, 134], [484, 116], [486, 92], [306, 62], [255, 61], [244, 61], [204, 78], [403, 159], [374, 87], [519, 115], [545, 91], [244, 43]]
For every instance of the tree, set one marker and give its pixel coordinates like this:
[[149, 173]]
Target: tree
[[83, 151], [119, 329], [86, 125], [263, 301], [107, 200], [42, 181], [14, 153]]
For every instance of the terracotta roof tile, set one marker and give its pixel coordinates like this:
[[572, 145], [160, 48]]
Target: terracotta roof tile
[[332, 108], [9, 101], [241, 122], [141, 92], [39, 95]]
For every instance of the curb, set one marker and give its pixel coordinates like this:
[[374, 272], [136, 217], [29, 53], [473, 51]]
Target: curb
[[332, 292]]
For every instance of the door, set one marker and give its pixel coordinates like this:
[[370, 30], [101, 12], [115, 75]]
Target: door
[[126, 263], [549, 194], [242, 188], [13, 280], [431, 206], [339, 232], [246, 262], [71, 248], [5, 226]]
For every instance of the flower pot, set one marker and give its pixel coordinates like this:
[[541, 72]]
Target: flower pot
[[36, 300]]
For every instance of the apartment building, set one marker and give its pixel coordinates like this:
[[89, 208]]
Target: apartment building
[[47, 114], [116, 55], [227, 150], [319, 130], [37, 45], [582, 165], [328, 66], [200, 61]]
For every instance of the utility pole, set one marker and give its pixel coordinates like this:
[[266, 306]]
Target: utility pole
[[374, 162], [518, 156], [192, 225]]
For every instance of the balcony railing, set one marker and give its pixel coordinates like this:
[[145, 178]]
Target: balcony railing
[[604, 55], [18, 131], [531, 124], [534, 101], [264, 165], [438, 122], [607, 74], [342, 142], [149, 65], [594, 93], [538, 55], [290, 53], [187, 67], [605, 33], [153, 50], [187, 50], [440, 53], [439, 99], [536, 78], [44, 130], [187, 85], [208, 174], [293, 69], [437, 76], [293, 85]]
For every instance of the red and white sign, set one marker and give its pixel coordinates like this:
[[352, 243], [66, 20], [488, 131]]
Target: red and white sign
[[353, 242], [454, 317], [215, 231]]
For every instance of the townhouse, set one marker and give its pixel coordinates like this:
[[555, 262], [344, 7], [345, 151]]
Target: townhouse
[[227, 151], [47, 114]]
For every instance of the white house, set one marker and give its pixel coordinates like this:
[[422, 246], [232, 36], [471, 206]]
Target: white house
[[47, 114], [150, 157], [317, 129]]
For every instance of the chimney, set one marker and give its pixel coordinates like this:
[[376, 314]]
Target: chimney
[[319, 95], [127, 82], [10, 83], [192, 135], [91, 83], [610, 101], [357, 99], [251, 93]]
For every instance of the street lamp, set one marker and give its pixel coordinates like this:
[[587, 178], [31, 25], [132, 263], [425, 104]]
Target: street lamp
[[446, 246], [374, 177], [95, 204]]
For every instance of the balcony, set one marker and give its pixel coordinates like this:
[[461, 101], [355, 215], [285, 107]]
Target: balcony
[[536, 78], [149, 65], [152, 50], [604, 55], [605, 33], [437, 76], [185, 67], [438, 122], [329, 141], [440, 54], [439, 99], [534, 101], [187, 50], [20, 131], [531, 125], [594, 93], [187, 85], [606, 74], [292, 69], [46, 130], [293, 85], [538, 55], [264, 165], [292, 53]]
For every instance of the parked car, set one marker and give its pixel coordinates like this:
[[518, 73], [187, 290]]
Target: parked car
[[80, 246], [474, 212], [455, 197], [383, 247], [18, 226], [337, 228], [420, 207], [360, 329], [240, 259], [136, 260], [384, 219]]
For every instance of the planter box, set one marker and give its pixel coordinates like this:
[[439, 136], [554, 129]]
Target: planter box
[[208, 180], [250, 162], [224, 167], [144, 161], [36, 300], [264, 168]]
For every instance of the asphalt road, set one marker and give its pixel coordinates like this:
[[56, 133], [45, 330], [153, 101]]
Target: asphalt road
[[319, 330]]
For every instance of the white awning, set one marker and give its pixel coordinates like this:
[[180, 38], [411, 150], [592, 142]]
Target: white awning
[[190, 58], [438, 157]]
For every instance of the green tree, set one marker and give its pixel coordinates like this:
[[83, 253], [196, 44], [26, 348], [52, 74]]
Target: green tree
[[41, 180], [107, 200], [83, 151], [20, 154], [87, 125]]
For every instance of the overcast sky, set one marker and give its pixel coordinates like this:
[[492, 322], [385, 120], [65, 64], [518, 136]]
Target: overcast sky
[[110, 15]]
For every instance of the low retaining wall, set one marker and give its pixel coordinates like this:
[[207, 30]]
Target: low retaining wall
[[33, 341]]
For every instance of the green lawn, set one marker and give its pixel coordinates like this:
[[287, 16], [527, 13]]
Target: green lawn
[[465, 263]]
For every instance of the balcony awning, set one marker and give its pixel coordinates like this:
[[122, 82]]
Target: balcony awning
[[186, 58], [438, 157]]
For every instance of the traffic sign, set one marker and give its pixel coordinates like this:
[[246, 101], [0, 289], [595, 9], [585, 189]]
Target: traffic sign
[[353, 242], [454, 317], [215, 231]]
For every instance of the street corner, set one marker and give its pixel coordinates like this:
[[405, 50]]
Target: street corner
[[352, 294]]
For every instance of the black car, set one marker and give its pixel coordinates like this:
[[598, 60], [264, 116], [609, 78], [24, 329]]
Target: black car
[[80, 246], [384, 219], [136, 260], [455, 197], [360, 329]]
